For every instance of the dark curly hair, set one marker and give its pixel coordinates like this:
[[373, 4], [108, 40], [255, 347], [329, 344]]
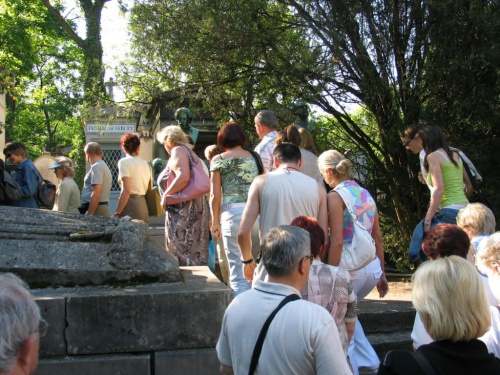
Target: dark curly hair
[[444, 240], [130, 142]]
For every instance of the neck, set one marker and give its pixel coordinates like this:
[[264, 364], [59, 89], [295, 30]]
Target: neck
[[292, 166], [294, 280]]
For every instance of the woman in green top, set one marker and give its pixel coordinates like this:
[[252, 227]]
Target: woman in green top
[[446, 177], [232, 173]]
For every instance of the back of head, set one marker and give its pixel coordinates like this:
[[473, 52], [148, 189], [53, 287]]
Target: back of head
[[488, 255], [432, 138], [307, 141], [19, 319], [287, 153], [174, 135], [444, 240], [17, 148], [449, 296], [267, 118], [211, 151], [231, 135], [338, 163], [66, 166], [289, 134], [283, 249], [476, 219], [93, 148], [411, 131], [316, 233], [130, 143]]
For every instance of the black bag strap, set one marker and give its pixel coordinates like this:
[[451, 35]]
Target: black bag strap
[[258, 161], [260, 341], [424, 363]]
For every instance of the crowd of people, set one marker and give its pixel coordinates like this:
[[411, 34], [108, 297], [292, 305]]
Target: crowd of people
[[284, 240]]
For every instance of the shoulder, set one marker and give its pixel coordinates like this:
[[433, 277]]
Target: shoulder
[[399, 362]]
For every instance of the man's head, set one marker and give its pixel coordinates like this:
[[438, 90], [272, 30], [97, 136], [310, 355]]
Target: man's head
[[287, 153], [92, 151], [20, 324], [265, 122], [411, 139], [286, 252]]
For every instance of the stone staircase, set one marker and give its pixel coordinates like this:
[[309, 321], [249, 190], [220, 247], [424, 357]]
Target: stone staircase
[[387, 324]]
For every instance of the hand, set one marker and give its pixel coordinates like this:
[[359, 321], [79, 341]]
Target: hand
[[382, 286], [248, 270], [216, 231], [421, 178]]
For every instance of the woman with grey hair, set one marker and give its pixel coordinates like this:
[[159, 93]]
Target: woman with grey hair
[[21, 327], [449, 297], [67, 193], [186, 223]]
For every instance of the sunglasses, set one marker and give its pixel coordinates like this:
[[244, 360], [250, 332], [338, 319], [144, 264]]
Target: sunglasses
[[8, 155]]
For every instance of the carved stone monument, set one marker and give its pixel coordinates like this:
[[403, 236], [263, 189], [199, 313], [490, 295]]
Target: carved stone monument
[[184, 117], [301, 111]]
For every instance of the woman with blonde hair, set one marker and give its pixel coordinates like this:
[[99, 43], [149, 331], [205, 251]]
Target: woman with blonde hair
[[449, 297], [336, 170], [307, 141], [186, 223], [67, 193]]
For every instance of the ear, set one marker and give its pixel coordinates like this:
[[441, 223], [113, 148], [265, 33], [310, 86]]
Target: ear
[[276, 162], [300, 163], [302, 267], [27, 356]]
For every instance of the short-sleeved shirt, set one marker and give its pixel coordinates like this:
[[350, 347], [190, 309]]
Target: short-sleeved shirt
[[364, 208], [139, 172], [302, 338], [265, 150], [237, 175], [99, 174]]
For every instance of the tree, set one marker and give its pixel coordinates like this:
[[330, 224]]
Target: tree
[[93, 68]]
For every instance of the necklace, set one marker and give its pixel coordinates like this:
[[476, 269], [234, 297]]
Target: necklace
[[286, 169]]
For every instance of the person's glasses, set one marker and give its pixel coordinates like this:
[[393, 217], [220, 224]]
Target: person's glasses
[[311, 258], [8, 155], [42, 328], [407, 142]]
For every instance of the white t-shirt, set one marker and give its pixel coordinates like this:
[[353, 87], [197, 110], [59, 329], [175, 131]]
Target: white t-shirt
[[302, 339], [139, 172], [491, 338]]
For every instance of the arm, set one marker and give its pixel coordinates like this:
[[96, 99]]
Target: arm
[[435, 162], [226, 370], [252, 209], [350, 330], [323, 213], [94, 199], [382, 285], [28, 180], [64, 197], [215, 202], [179, 162], [336, 220], [124, 196]]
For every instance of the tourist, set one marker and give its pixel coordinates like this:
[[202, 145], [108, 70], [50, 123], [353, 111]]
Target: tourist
[[329, 286], [309, 161], [449, 297], [96, 183], [336, 170], [26, 175], [134, 175], [488, 262], [22, 327], [266, 125], [67, 194], [232, 174], [307, 141], [445, 176], [479, 223], [279, 197], [186, 223], [302, 338]]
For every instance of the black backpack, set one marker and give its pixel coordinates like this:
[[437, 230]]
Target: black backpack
[[9, 189]]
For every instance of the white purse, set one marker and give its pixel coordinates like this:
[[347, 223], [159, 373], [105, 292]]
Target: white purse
[[361, 251]]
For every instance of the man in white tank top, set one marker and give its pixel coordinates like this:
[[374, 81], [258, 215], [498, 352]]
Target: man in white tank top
[[279, 197]]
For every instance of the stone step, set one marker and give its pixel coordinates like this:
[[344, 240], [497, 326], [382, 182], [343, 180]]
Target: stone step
[[384, 342], [385, 316]]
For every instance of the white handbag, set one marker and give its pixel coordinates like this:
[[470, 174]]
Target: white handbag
[[361, 251]]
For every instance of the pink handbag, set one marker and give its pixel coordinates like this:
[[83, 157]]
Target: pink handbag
[[198, 185]]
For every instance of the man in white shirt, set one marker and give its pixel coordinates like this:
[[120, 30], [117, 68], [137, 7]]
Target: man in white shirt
[[302, 338], [266, 125]]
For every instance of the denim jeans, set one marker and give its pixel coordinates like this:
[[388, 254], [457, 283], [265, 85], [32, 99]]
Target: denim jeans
[[444, 215]]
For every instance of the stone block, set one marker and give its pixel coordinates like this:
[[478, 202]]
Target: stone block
[[96, 365], [53, 310], [152, 317], [187, 362]]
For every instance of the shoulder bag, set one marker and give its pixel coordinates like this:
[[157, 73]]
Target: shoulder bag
[[361, 251], [45, 193], [262, 335], [198, 185], [9, 189], [258, 161]]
